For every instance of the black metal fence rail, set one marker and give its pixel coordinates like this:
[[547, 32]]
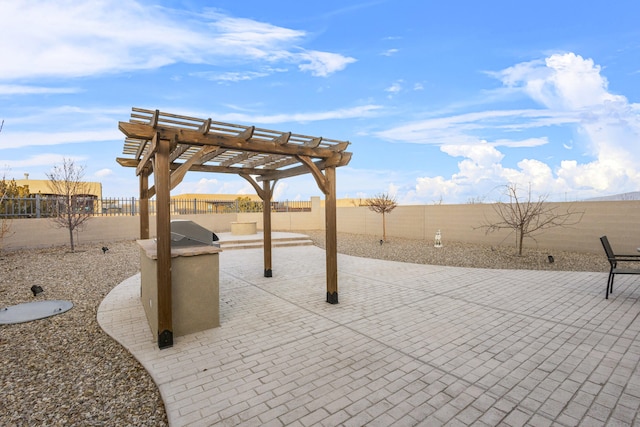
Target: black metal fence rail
[[39, 206]]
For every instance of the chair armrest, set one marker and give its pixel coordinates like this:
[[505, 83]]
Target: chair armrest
[[626, 257]]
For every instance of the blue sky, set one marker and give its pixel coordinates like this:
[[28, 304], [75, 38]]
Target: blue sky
[[442, 101]]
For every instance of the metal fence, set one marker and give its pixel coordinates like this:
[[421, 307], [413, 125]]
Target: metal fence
[[39, 206]]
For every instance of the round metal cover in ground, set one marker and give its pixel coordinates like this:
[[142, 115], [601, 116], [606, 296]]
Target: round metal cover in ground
[[29, 311]]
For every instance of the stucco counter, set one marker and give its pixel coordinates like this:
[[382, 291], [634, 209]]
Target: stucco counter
[[195, 295]]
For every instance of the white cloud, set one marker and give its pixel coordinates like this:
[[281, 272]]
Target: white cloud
[[389, 52], [395, 87], [213, 186], [44, 159], [562, 81], [238, 76], [432, 189], [26, 139], [253, 38], [467, 128], [574, 94], [482, 154], [78, 38], [341, 113], [280, 190], [322, 64], [103, 173], [607, 122], [34, 90], [231, 76]]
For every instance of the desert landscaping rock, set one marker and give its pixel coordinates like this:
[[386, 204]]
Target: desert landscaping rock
[[458, 254], [64, 370]]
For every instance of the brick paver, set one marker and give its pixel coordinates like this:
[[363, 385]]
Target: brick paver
[[407, 345]]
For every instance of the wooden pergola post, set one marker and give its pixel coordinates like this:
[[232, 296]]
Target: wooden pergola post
[[144, 205], [161, 174], [266, 232], [331, 236]]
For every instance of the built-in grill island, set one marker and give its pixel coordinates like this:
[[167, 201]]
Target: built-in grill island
[[195, 275]]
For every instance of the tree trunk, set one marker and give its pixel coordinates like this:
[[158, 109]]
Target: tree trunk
[[71, 235], [384, 228], [520, 240]]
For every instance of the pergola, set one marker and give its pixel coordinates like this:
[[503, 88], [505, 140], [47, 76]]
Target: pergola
[[169, 145]]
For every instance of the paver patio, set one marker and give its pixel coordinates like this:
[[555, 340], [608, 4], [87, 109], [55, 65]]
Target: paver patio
[[407, 345]]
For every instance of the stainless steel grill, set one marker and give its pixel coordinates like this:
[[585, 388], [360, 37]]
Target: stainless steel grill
[[188, 233]]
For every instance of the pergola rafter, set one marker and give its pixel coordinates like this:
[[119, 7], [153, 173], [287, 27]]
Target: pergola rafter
[[169, 145]]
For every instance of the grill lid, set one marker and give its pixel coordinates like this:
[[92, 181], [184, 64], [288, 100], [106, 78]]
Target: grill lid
[[188, 233]]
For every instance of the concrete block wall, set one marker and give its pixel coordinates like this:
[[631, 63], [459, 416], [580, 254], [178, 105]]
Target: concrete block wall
[[620, 221], [41, 232]]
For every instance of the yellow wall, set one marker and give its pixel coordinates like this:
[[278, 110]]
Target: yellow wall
[[42, 186]]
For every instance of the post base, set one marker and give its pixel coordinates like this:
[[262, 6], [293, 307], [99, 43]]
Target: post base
[[268, 273], [332, 298], [165, 339]]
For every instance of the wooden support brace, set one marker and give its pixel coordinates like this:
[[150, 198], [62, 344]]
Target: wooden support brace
[[178, 175], [321, 180], [143, 144], [179, 151], [260, 191], [254, 184], [149, 155]]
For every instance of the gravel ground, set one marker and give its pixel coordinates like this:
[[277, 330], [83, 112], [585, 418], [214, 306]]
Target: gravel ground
[[462, 254], [65, 371]]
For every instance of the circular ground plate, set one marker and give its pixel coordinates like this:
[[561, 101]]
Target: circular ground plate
[[29, 311]]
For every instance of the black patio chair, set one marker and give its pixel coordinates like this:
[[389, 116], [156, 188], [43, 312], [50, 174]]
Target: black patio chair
[[614, 260]]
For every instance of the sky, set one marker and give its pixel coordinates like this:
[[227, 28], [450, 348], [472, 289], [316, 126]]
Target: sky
[[442, 101]]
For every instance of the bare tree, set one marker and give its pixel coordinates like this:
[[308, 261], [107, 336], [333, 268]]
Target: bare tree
[[527, 217], [383, 204], [5, 219], [74, 207], [10, 207], [476, 200]]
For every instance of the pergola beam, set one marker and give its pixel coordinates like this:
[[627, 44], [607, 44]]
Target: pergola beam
[[339, 160], [193, 137], [261, 173]]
